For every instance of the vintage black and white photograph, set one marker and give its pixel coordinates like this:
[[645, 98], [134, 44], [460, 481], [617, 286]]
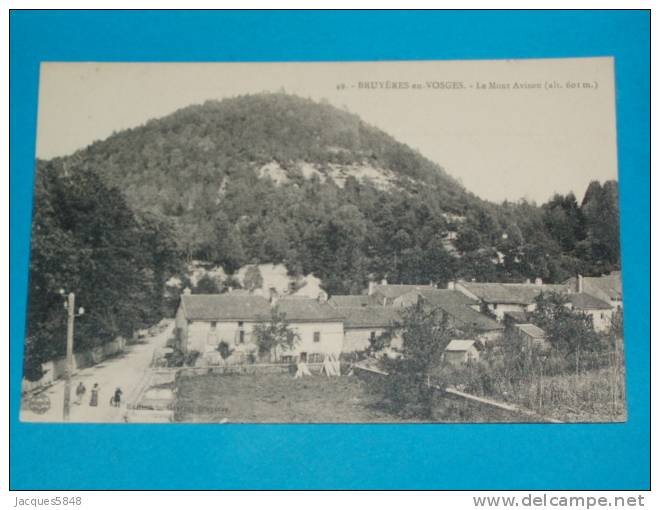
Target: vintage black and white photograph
[[340, 242]]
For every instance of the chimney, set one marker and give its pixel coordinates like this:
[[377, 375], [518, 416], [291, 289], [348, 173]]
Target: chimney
[[451, 285], [383, 281], [186, 291], [579, 284], [322, 297], [371, 288], [538, 281], [528, 281]]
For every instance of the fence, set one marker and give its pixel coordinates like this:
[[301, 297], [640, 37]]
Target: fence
[[245, 368]]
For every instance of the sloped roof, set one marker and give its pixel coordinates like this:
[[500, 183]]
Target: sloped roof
[[349, 300], [303, 309], [395, 290], [460, 345], [370, 316], [531, 330], [583, 301], [604, 287], [444, 296], [457, 305], [218, 307], [510, 293]]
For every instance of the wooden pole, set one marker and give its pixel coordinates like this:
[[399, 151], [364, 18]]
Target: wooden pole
[[71, 309]]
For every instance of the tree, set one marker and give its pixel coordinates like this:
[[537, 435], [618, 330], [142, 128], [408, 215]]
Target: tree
[[206, 285], [85, 239], [468, 239], [601, 210], [564, 221], [425, 334], [570, 332], [274, 333]]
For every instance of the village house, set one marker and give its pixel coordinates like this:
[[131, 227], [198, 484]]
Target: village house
[[363, 324], [461, 352], [599, 311], [204, 320], [460, 311], [319, 326], [531, 335], [500, 298], [607, 288]]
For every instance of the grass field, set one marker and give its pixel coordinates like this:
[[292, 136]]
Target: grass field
[[277, 398]]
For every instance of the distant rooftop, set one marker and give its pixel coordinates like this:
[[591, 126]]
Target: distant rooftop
[[370, 316], [349, 300], [510, 293], [606, 287], [531, 330], [302, 309], [395, 290], [457, 305], [583, 301], [461, 345], [218, 307]]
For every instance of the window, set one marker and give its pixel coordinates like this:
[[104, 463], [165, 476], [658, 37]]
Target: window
[[189, 323], [372, 336], [213, 324], [240, 324], [495, 306], [317, 336], [241, 337]]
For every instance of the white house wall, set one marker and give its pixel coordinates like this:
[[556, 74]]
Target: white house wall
[[203, 337], [331, 338], [357, 339]]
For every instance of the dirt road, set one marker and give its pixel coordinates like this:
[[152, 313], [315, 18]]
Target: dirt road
[[124, 371]]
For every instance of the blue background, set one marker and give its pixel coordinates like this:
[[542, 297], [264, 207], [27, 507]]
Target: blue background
[[607, 456]]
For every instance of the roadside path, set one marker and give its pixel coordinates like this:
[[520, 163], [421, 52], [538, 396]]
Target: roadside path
[[124, 371]]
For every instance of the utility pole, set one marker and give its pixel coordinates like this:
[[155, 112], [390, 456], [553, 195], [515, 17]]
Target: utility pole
[[71, 314]]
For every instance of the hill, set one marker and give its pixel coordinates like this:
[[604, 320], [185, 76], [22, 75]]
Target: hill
[[274, 178]]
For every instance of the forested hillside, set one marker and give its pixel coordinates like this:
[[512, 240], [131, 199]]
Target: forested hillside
[[276, 178]]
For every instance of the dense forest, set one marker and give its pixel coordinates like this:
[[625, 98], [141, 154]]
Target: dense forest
[[116, 219]]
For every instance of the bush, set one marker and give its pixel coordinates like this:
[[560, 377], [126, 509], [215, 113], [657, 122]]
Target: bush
[[175, 358], [191, 357], [224, 350]]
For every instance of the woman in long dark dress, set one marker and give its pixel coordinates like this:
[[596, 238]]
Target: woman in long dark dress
[[94, 400]]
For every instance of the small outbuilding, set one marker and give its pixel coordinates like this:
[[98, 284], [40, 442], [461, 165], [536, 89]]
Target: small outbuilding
[[462, 351]]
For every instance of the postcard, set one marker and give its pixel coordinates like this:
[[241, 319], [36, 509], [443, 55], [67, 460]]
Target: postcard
[[364, 242]]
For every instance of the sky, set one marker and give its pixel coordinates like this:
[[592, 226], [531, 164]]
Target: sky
[[500, 141]]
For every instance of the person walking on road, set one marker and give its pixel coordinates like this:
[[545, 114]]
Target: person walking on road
[[80, 393], [116, 398], [94, 400]]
